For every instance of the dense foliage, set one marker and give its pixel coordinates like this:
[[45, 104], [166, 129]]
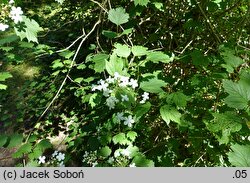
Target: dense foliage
[[125, 83]]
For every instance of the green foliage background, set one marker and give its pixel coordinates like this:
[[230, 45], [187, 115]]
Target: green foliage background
[[191, 56]]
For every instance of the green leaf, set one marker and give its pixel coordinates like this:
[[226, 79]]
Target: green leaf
[[3, 87], [142, 109], [245, 78], [118, 16], [240, 156], [179, 99], [170, 114], [141, 2], [9, 38], [132, 135], [122, 50], [199, 59], [114, 64], [106, 139], [120, 138], [3, 140], [105, 151], [158, 56], [239, 94], [57, 64], [95, 99], [31, 30], [139, 50], [159, 6], [5, 75], [140, 160], [126, 32], [153, 85], [231, 61], [224, 124], [15, 140], [67, 54], [94, 143], [24, 149], [35, 154], [100, 62], [26, 45], [44, 144], [78, 80], [109, 34]]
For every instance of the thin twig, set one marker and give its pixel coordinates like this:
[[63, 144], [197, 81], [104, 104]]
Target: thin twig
[[71, 65], [80, 37], [99, 4], [186, 47], [208, 21]]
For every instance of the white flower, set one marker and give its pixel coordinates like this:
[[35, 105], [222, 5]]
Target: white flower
[[41, 159], [248, 138], [106, 92], [120, 116], [111, 101], [124, 81], [125, 152], [111, 160], [110, 80], [145, 97], [86, 154], [11, 1], [16, 13], [116, 75], [103, 84], [94, 164], [132, 165], [96, 87], [3, 27], [117, 153], [129, 121], [125, 98], [55, 154], [60, 156], [133, 83], [60, 1], [61, 164]]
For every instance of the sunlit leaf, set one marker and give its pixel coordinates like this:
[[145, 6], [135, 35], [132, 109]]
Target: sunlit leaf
[[170, 114], [122, 50], [239, 94], [153, 85], [240, 155], [141, 2], [139, 50], [118, 16], [31, 30]]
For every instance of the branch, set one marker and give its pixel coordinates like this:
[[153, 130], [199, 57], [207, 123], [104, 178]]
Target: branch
[[71, 65], [208, 21]]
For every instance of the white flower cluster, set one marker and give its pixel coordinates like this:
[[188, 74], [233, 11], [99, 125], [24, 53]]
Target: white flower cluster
[[106, 87], [15, 14], [3, 27], [57, 158], [90, 158], [125, 153], [126, 120], [145, 96], [245, 138]]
